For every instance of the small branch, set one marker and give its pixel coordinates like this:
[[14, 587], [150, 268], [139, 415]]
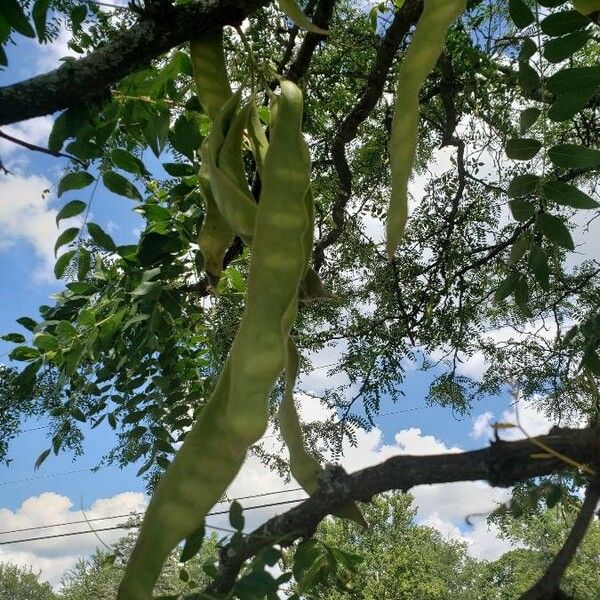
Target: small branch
[[547, 586], [35, 148], [502, 464]]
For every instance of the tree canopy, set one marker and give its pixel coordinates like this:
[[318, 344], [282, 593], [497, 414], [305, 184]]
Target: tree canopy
[[264, 245]]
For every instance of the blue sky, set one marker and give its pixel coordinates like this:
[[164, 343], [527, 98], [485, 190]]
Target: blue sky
[[27, 235]]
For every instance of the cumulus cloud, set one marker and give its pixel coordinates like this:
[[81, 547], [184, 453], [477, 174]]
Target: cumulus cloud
[[26, 216], [52, 557], [35, 131]]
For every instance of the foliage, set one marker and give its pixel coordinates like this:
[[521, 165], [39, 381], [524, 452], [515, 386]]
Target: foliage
[[17, 583]]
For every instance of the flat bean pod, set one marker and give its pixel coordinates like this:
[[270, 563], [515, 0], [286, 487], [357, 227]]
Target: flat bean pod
[[304, 467], [296, 14], [425, 48]]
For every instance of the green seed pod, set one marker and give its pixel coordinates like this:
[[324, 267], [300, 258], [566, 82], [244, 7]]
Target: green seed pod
[[295, 13], [304, 467], [425, 48]]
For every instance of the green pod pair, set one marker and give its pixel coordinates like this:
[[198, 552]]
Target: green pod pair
[[236, 414], [424, 50]]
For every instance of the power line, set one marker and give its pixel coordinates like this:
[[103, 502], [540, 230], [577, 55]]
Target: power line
[[14, 481], [136, 513], [125, 526]]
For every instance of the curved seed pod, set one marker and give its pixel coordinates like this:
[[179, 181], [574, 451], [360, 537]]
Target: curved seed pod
[[231, 194], [257, 137], [210, 73], [212, 84], [295, 13], [304, 467], [278, 265], [216, 236], [425, 48]]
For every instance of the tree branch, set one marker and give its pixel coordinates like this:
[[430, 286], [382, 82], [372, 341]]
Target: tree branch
[[90, 78], [547, 586], [502, 464]]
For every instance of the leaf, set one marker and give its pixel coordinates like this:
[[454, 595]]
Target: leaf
[[538, 261], [185, 137], [179, 169], [567, 195], [41, 458], [527, 118], [74, 181], [522, 148], [78, 415], [563, 22], [66, 237], [100, 237], [15, 338], [523, 185], [560, 49], [63, 262], [527, 50], [574, 156], [45, 341], [39, 14], [522, 296], [555, 230], [66, 125], [521, 209], [128, 162], [118, 184], [70, 209], [566, 106], [13, 13], [236, 516], [520, 13], [84, 263], [577, 78], [295, 13], [151, 289], [506, 287], [26, 322], [25, 380], [527, 77]]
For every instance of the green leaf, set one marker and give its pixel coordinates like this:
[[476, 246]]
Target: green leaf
[[527, 77], [41, 458], [128, 162], [26, 322], [555, 230], [538, 261], [568, 156], [23, 353], [77, 414], [522, 148], [151, 289], [563, 22], [74, 181], [70, 209], [522, 296], [566, 106], [15, 338], [39, 13], [520, 13], [236, 516], [560, 49], [66, 125], [185, 136], [527, 118], [66, 237], [567, 195], [506, 287], [45, 341], [25, 380], [120, 185], [523, 185], [577, 78], [63, 262], [84, 263], [179, 169], [13, 13], [527, 50], [521, 210], [100, 237]]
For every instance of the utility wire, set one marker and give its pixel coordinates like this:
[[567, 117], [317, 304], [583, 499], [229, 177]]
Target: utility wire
[[137, 513], [126, 526]]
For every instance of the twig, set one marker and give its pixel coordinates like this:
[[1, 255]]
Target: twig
[[35, 148]]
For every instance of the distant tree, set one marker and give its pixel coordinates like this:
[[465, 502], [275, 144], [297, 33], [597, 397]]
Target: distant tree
[[19, 583]]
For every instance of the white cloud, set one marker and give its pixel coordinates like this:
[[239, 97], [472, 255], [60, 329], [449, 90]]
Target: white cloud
[[481, 425], [54, 556], [27, 217], [35, 131]]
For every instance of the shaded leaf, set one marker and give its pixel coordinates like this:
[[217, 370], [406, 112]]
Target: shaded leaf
[[522, 148], [100, 237], [574, 156], [555, 230], [74, 181], [523, 185], [70, 209], [568, 195], [118, 184]]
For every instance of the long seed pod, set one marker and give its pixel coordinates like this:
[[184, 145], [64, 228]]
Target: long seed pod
[[296, 14], [304, 467], [425, 48], [212, 85], [236, 414]]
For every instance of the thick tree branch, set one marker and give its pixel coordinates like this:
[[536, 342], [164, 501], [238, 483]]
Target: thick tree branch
[[547, 586], [91, 77], [370, 94], [502, 464]]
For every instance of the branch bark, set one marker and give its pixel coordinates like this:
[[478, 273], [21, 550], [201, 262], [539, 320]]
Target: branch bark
[[502, 464], [547, 586], [89, 78]]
